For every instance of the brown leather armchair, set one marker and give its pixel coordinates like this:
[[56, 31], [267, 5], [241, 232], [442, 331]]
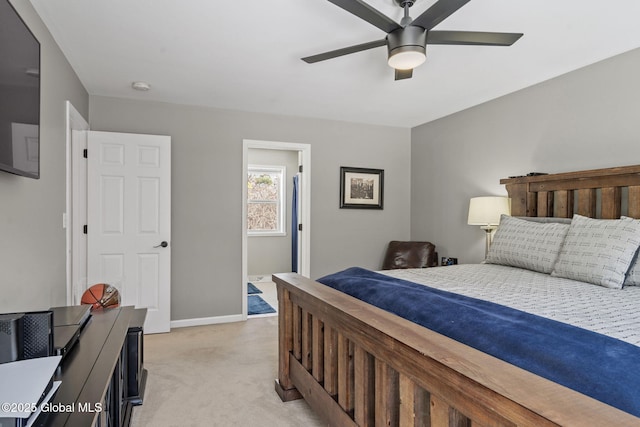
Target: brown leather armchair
[[410, 255]]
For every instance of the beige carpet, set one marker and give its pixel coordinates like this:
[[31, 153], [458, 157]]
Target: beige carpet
[[217, 375]]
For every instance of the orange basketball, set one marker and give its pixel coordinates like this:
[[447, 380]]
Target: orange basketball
[[101, 296]]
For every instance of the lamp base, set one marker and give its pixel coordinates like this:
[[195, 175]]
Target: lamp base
[[489, 230]]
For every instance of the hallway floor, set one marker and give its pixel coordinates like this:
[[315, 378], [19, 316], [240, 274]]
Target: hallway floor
[[269, 294]]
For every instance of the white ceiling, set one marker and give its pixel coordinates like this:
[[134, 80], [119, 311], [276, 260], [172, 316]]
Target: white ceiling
[[245, 55]]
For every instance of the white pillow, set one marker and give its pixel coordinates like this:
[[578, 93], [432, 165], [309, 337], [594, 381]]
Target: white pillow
[[527, 244], [598, 251]]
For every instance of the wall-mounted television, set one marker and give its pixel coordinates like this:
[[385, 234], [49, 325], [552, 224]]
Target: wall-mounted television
[[19, 95]]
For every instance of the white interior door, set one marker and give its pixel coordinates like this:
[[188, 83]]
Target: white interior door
[[129, 220]]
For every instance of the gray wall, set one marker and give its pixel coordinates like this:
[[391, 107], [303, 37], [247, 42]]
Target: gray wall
[[206, 272], [32, 252], [272, 254], [582, 120]]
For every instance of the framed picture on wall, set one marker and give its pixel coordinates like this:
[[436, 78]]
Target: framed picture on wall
[[361, 188]]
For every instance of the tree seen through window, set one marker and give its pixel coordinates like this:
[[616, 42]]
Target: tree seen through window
[[264, 200]]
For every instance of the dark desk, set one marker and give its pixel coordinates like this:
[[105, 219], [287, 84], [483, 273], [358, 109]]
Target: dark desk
[[96, 372]]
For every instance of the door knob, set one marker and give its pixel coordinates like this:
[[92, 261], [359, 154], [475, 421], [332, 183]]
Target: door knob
[[163, 244]]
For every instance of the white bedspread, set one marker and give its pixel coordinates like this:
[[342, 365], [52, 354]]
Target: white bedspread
[[611, 312]]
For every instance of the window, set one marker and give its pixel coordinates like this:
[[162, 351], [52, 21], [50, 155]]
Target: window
[[265, 201]]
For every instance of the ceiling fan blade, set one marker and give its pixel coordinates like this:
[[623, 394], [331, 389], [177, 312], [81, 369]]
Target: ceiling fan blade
[[472, 38], [403, 74], [438, 13], [344, 51], [363, 11]]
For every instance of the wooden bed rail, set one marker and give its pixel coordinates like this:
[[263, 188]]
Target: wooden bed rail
[[594, 193], [358, 365]]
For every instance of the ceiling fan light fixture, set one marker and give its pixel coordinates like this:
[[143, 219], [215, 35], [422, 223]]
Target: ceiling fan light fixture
[[406, 48], [406, 41], [407, 57]]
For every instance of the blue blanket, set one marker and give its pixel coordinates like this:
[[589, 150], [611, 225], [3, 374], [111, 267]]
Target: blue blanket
[[604, 368]]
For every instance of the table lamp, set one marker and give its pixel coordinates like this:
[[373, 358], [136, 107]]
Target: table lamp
[[486, 212]]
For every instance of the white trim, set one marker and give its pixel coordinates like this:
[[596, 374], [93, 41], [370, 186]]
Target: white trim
[[255, 316], [304, 151], [74, 121], [184, 323], [266, 233]]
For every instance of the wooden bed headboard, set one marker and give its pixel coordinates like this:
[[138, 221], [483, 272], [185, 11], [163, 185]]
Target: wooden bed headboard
[[598, 193]]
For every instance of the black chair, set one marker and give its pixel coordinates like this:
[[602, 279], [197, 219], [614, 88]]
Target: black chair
[[410, 255]]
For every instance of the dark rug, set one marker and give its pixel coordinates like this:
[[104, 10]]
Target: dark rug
[[251, 289], [259, 306]]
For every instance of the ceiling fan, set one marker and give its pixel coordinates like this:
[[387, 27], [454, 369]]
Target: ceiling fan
[[406, 42]]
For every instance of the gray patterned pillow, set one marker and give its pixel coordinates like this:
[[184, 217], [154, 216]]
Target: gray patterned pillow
[[527, 244], [598, 251], [633, 275]]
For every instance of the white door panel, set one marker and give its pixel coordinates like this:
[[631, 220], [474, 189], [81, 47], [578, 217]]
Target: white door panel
[[128, 217]]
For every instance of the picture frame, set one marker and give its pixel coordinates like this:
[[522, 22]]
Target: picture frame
[[361, 188]]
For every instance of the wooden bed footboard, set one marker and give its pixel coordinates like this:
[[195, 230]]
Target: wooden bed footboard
[[358, 365]]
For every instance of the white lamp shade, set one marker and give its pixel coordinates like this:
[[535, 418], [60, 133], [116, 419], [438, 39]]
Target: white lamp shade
[[487, 210], [407, 59]]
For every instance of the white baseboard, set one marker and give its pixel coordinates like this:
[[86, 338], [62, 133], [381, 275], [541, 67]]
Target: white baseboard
[[183, 323]]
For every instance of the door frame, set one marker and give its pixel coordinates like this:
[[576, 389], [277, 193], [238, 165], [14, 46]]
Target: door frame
[[75, 252], [304, 154]]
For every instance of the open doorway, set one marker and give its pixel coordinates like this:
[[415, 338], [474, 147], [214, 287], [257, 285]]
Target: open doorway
[[276, 217]]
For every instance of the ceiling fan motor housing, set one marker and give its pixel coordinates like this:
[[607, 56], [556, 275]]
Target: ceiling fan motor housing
[[403, 3], [411, 38]]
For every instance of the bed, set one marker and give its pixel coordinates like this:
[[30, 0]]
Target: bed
[[358, 364]]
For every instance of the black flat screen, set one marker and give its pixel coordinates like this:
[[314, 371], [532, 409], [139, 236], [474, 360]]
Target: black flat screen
[[19, 95]]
